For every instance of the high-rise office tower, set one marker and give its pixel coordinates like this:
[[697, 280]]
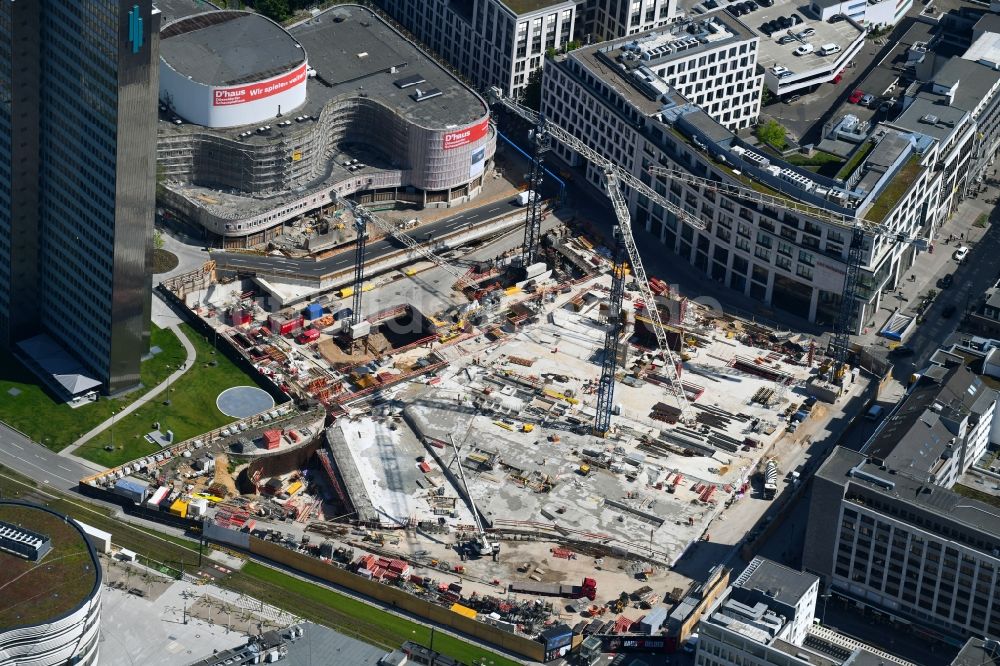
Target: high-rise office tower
[[78, 96]]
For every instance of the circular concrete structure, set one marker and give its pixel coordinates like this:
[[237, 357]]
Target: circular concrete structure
[[230, 68], [51, 581], [243, 401]]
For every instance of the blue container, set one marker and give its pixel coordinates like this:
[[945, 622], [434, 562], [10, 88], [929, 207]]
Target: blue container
[[313, 311]]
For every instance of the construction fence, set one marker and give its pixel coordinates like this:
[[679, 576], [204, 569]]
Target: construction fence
[[391, 596]]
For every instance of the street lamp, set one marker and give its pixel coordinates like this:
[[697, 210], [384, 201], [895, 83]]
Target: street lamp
[[826, 598], [112, 429]]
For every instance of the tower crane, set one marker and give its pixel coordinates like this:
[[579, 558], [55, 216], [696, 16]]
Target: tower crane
[[533, 216], [609, 365], [616, 175], [859, 227]]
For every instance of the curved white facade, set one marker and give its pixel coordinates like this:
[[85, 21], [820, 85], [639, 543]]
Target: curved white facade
[[70, 639], [231, 106]]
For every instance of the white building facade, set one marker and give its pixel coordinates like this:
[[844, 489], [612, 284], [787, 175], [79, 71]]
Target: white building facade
[[497, 43], [776, 257]]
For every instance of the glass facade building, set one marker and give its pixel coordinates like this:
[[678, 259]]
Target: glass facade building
[[78, 86]]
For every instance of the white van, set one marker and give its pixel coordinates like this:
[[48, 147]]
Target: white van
[[804, 50], [829, 49]]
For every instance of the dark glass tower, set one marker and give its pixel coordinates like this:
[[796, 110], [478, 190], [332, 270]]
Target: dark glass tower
[[78, 95]]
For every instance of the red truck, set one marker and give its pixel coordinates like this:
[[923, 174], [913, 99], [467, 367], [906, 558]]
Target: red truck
[[588, 589], [307, 336]]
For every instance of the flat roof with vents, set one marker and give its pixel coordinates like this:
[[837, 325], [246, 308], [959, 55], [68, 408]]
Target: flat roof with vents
[[354, 52], [23, 542]]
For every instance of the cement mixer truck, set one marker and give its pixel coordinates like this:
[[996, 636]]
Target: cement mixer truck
[[770, 478]]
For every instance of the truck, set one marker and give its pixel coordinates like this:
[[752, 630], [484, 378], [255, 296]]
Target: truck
[[524, 197], [307, 336], [770, 479], [588, 589]]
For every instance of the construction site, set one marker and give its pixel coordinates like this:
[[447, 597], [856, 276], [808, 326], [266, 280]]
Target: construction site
[[542, 420]]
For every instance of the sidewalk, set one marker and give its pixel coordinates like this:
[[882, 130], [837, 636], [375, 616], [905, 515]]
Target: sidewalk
[[152, 393], [929, 267]]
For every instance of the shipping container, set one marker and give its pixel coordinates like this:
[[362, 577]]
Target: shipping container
[[132, 488], [464, 611], [313, 311], [179, 508], [160, 495]]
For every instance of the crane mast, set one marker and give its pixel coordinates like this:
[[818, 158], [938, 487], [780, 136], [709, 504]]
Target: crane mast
[[533, 216], [609, 364], [616, 176]]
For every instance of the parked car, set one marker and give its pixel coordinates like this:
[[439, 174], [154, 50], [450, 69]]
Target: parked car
[[785, 22], [710, 4], [856, 96], [765, 3], [787, 39], [808, 32], [946, 281], [960, 254], [792, 99], [795, 19], [804, 50], [837, 18], [867, 100], [948, 312]]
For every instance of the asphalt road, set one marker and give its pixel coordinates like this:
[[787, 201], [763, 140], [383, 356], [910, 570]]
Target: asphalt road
[[971, 280], [374, 250], [34, 460]]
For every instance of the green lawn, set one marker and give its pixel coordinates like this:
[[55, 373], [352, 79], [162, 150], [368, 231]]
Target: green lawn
[[976, 494], [192, 410], [35, 413], [895, 190], [860, 153], [368, 623], [823, 163]]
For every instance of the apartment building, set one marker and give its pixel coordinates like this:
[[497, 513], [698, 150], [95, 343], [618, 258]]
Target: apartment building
[[941, 426], [905, 546], [500, 42], [609, 19], [867, 13], [905, 543], [766, 619], [779, 257]]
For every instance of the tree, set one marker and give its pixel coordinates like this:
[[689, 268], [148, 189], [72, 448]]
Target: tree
[[157, 239], [772, 133], [276, 10], [532, 93]]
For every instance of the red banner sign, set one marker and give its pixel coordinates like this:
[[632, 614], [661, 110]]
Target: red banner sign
[[255, 91], [466, 136]]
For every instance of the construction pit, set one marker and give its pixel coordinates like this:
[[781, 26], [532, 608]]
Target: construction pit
[[516, 413], [496, 404]]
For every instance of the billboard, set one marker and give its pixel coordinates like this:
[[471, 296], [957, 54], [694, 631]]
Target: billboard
[[255, 91], [478, 162], [464, 137]]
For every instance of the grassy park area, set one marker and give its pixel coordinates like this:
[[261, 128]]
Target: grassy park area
[[191, 411], [28, 407]]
